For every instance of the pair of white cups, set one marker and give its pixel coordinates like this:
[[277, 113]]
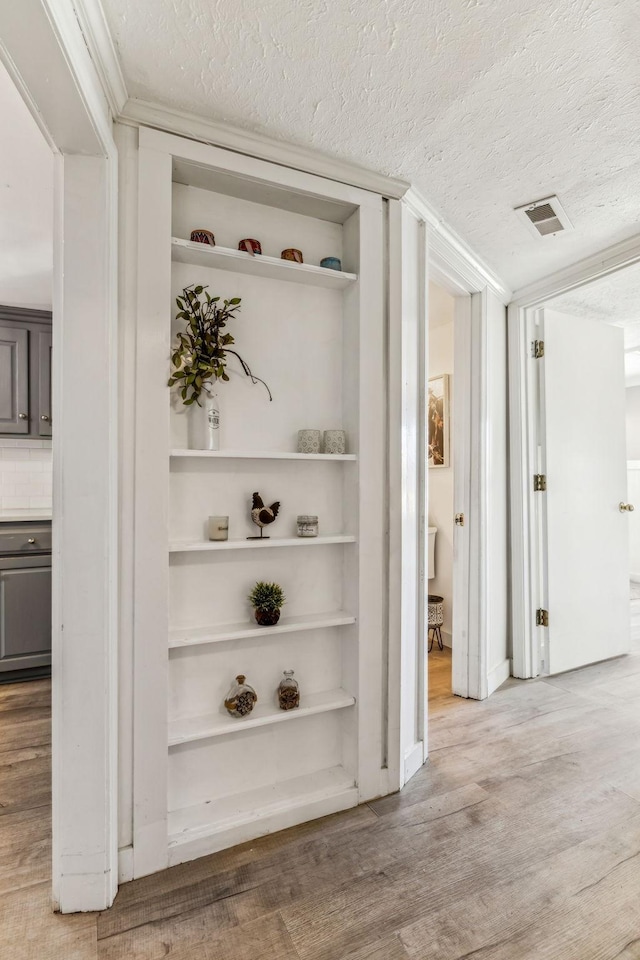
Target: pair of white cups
[[310, 441]]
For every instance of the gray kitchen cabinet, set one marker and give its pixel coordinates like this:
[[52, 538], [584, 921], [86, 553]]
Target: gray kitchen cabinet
[[25, 613], [44, 382], [14, 380], [25, 372]]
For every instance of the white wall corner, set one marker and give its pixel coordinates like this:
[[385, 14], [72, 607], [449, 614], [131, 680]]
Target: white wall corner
[[103, 52], [125, 864], [452, 254]]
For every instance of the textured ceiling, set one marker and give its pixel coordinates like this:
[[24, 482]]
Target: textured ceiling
[[481, 105], [614, 299], [26, 205]]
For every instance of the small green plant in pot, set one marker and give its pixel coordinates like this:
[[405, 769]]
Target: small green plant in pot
[[267, 598]]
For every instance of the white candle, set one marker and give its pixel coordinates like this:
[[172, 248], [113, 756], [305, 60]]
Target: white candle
[[218, 528]]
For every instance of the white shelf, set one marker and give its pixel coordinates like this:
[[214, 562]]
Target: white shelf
[[223, 258], [261, 455], [318, 793], [241, 631], [191, 729], [199, 546]]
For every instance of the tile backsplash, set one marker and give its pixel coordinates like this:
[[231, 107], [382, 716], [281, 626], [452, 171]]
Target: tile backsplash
[[25, 474]]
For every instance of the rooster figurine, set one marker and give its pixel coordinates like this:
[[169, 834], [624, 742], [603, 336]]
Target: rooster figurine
[[262, 516]]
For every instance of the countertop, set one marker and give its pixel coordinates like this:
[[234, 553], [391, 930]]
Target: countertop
[[25, 515]]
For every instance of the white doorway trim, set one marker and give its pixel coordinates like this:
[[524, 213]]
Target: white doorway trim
[[422, 249], [85, 457], [523, 438]]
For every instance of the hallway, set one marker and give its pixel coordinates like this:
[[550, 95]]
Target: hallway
[[520, 838]]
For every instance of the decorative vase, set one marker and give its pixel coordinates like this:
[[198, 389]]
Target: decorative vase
[[288, 692], [241, 698], [309, 441], [267, 618], [335, 442], [204, 420]]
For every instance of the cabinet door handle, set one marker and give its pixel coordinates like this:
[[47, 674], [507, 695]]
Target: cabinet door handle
[[23, 416], [45, 418]]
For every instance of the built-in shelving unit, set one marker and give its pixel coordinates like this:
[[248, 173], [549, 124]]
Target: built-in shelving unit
[[264, 455], [220, 725], [238, 261], [204, 780], [228, 632], [203, 546]]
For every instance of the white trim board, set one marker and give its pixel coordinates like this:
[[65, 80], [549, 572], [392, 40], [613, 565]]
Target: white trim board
[[498, 675]]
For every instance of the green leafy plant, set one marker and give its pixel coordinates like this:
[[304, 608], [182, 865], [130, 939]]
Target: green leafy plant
[[267, 596], [200, 354]]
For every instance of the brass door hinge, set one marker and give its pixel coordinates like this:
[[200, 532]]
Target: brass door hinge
[[539, 483], [459, 519], [537, 349], [542, 618]]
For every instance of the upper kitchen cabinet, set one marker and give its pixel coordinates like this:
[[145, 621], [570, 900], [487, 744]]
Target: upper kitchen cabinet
[[25, 372], [14, 380]]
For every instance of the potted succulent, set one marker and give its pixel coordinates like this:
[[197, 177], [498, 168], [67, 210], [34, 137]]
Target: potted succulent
[[267, 598], [199, 360]]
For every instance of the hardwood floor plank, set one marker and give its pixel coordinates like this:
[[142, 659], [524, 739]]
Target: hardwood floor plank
[[30, 931]]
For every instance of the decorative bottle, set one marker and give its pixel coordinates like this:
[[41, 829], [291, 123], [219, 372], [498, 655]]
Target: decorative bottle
[[204, 423], [241, 698], [288, 692]]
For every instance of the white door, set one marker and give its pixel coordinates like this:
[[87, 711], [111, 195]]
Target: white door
[[584, 458]]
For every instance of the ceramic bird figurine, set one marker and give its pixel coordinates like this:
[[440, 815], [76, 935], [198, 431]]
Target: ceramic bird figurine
[[262, 516]]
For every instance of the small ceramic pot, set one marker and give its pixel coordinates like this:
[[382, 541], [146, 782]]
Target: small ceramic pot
[[292, 254], [267, 618], [309, 441], [331, 263], [203, 236], [335, 441], [250, 246]]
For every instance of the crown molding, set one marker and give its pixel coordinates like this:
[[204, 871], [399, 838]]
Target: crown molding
[[102, 52], [453, 258], [598, 265], [143, 113]]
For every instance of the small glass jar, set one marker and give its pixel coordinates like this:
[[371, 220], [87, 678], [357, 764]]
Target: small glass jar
[[288, 692], [307, 526], [241, 698]]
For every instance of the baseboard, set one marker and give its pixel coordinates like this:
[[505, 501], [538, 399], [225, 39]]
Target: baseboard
[[125, 864], [498, 676], [413, 761]]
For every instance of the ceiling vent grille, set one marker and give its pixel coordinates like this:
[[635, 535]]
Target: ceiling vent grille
[[544, 218]]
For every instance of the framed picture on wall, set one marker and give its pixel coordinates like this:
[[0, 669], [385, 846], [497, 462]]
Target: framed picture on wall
[[438, 421]]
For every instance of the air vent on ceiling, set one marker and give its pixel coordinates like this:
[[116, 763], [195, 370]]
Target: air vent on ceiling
[[544, 218]]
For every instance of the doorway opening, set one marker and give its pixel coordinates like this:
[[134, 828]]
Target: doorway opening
[[582, 375]]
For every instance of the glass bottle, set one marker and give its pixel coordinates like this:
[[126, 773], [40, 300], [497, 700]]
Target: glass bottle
[[241, 698], [288, 692]]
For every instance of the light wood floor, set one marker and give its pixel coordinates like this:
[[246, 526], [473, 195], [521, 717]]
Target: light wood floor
[[519, 839]]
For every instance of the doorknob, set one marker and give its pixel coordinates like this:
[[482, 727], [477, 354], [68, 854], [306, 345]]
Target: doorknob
[[626, 507]]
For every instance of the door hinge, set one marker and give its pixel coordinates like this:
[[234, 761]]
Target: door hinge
[[537, 349], [539, 482], [459, 519], [542, 618]]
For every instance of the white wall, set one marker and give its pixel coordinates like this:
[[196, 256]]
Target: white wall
[[26, 205], [441, 353], [633, 423], [25, 474]]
